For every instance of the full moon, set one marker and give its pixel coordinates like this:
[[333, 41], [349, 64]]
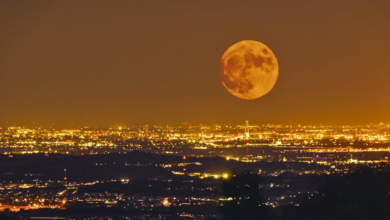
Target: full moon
[[249, 69]]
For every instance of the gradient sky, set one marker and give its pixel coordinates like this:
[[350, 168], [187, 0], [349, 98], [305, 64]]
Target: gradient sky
[[157, 62]]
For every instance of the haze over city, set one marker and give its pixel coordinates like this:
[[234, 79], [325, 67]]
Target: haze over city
[[194, 110]]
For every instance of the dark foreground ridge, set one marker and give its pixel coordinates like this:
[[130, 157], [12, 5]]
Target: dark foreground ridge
[[139, 185]]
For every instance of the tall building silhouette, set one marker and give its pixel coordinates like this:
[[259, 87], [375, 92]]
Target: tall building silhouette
[[246, 129]]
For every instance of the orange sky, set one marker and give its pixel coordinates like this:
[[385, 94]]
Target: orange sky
[[157, 62]]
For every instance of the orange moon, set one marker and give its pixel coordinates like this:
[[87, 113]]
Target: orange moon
[[249, 69]]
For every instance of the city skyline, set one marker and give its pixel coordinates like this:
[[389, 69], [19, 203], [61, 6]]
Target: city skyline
[[182, 124], [160, 167]]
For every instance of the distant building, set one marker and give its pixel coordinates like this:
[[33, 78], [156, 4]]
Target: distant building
[[246, 129]]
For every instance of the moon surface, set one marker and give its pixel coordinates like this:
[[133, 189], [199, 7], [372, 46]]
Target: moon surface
[[249, 69]]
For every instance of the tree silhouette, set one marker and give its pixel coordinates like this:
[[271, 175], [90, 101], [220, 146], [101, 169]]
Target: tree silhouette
[[4, 217], [246, 201], [361, 195]]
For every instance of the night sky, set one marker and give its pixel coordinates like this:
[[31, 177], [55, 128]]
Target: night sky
[[101, 63]]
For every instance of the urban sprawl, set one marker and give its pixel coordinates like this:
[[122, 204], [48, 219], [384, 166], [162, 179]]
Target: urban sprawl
[[159, 170]]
